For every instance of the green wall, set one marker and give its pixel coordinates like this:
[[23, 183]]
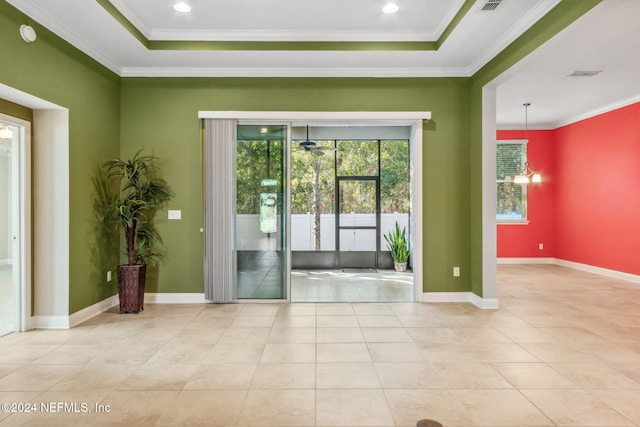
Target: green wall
[[53, 70], [15, 110], [161, 115], [112, 116]]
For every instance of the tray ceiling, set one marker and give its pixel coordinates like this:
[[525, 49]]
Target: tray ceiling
[[288, 38], [338, 38]]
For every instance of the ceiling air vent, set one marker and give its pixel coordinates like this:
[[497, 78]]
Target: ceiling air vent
[[491, 4], [582, 73]]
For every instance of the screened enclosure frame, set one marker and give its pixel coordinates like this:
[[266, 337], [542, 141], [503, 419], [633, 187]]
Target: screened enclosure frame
[[412, 119]]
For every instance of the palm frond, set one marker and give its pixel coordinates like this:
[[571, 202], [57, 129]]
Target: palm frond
[[141, 193]]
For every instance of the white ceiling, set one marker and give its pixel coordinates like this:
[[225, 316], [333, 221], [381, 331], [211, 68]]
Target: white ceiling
[[290, 20], [607, 39]]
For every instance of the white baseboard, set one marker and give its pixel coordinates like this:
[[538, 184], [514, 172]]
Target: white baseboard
[[93, 310], [525, 261], [168, 298], [575, 265], [50, 322], [66, 322], [446, 296], [484, 303], [599, 270]]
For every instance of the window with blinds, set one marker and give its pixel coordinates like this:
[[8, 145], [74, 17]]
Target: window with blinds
[[511, 198]]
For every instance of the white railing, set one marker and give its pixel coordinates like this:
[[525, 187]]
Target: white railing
[[302, 232]]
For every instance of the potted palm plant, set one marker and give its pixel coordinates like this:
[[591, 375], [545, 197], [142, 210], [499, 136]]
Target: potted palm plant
[[138, 194], [397, 244]]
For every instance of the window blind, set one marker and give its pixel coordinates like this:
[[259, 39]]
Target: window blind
[[219, 201]]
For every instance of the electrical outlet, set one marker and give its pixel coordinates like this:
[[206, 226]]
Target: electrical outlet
[[108, 276], [540, 246], [456, 271]]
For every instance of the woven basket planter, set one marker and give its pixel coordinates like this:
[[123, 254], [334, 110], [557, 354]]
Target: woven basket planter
[[131, 280]]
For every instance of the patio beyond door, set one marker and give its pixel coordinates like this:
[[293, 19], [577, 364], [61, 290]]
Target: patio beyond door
[[357, 222], [345, 200]]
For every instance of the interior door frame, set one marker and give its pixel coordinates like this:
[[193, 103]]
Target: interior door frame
[[286, 207], [339, 179], [414, 119], [21, 224]]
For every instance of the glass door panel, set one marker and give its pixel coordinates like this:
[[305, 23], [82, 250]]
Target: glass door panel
[[357, 204], [8, 196], [261, 220], [394, 192]]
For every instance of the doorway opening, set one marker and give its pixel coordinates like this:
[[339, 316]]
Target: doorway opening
[[347, 192], [14, 223], [221, 225]]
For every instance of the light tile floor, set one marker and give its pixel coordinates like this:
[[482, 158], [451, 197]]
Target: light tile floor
[[340, 286], [564, 349]]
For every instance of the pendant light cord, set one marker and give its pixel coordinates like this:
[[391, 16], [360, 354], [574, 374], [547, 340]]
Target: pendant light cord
[[526, 120]]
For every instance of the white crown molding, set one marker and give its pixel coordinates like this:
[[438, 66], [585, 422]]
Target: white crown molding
[[446, 20], [32, 10], [607, 108], [513, 33], [537, 126], [132, 17], [292, 72], [292, 35]]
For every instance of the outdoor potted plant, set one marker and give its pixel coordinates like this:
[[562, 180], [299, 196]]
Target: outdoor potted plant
[[138, 193], [397, 244]]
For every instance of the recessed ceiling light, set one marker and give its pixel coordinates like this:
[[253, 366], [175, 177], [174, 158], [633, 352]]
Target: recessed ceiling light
[[390, 8], [182, 7]]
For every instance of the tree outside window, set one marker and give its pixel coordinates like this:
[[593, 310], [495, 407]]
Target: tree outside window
[[511, 198]]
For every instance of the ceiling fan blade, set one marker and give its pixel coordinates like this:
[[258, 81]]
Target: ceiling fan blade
[[317, 152]]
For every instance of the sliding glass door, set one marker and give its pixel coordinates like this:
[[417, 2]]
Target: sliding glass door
[[11, 140], [261, 212]]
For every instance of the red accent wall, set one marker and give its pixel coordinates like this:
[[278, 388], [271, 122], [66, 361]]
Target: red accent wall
[[587, 209], [522, 240], [597, 211]]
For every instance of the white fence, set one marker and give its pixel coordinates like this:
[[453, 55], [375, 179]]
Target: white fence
[[302, 232]]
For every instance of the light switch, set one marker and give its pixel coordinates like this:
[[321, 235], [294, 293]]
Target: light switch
[[175, 214]]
